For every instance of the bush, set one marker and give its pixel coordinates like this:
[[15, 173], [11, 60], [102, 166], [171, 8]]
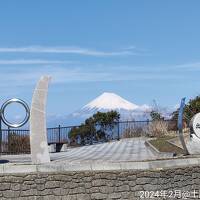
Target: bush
[[158, 128], [18, 143], [134, 132]]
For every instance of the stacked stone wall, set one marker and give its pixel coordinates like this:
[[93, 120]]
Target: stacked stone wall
[[102, 185]]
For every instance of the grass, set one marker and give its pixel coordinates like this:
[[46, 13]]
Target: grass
[[164, 146]]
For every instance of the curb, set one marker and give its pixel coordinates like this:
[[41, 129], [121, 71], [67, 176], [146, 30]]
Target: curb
[[97, 166], [167, 154]]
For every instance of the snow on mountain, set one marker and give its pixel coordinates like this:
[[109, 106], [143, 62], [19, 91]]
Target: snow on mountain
[[104, 103], [110, 101]]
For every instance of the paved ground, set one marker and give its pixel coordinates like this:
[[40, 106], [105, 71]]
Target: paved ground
[[117, 151]]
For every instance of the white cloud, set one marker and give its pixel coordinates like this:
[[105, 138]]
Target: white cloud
[[188, 66], [66, 50], [13, 76], [29, 75], [33, 61]]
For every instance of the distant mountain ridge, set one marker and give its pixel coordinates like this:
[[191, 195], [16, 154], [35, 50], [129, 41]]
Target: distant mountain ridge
[[111, 101], [104, 103]]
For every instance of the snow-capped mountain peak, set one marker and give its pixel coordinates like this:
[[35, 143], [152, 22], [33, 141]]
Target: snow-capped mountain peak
[[104, 103], [110, 101]]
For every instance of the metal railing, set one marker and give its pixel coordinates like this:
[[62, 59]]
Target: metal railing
[[14, 141], [59, 134], [17, 141]]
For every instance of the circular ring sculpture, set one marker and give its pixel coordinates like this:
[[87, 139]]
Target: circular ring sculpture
[[21, 102]]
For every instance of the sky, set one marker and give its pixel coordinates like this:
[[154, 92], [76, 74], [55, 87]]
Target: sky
[[141, 50]]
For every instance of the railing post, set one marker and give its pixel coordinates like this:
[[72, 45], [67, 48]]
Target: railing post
[[9, 141], [118, 137], [91, 135], [59, 132]]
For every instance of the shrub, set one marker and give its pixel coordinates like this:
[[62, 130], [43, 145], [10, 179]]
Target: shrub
[[158, 128], [18, 143], [134, 132]]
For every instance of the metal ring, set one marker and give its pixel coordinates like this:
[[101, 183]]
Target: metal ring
[[24, 104]]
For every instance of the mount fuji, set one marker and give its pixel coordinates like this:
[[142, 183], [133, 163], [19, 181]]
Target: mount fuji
[[104, 103]]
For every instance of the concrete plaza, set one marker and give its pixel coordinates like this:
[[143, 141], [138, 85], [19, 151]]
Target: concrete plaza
[[125, 150]]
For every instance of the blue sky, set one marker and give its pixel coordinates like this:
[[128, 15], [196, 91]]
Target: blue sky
[[141, 50]]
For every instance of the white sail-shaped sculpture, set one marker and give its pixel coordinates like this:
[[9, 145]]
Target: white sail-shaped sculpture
[[38, 131]]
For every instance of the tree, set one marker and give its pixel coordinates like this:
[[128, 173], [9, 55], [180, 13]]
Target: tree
[[73, 134], [191, 108], [96, 127], [155, 115], [105, 122], [83, 132], [90, 127]]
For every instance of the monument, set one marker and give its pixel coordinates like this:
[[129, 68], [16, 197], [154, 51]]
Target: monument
[[180, 126], [195, 125], [38, 131]]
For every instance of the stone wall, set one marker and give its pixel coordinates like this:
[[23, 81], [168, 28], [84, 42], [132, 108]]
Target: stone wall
[[99, 184]]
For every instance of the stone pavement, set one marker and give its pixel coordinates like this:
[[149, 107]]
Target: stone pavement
[[126, 154], [125, 150], [132, 149]]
